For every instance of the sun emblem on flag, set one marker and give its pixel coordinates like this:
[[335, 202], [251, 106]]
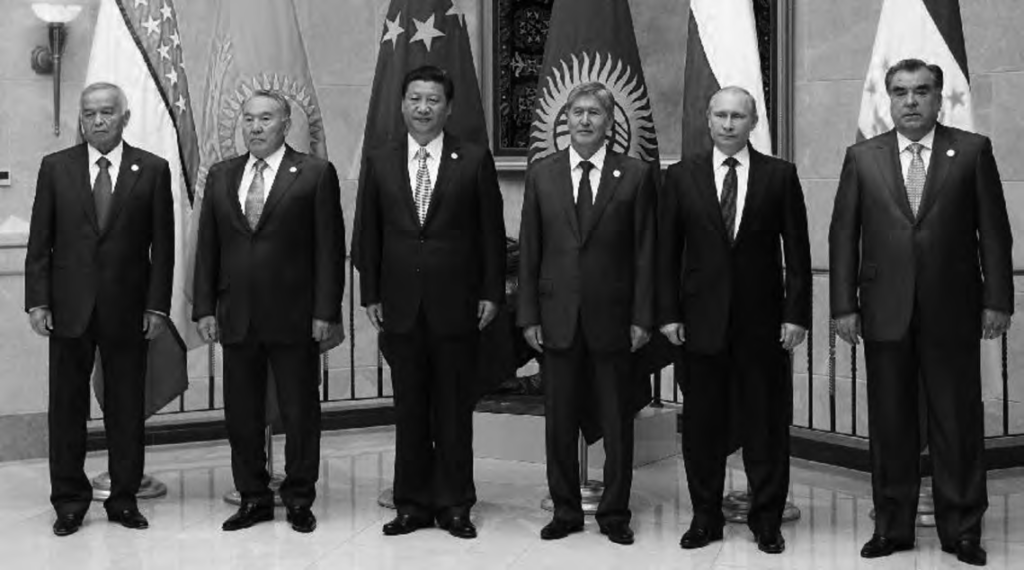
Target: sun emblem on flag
[[633, 130]]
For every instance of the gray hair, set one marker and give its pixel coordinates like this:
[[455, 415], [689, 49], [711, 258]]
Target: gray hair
[[122, 99], [596, 90], [281, 100], [735, 89]]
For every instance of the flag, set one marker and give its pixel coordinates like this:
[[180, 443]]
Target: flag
[[929, 30], [721, 51], [137, 47], [593, 40]]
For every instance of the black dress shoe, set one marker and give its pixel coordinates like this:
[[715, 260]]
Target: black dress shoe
[[301, 519], [128, 518], [247, 515], [68, 523], [771, 541], [618, 532], [558, 529], [968, 551], [404, 524], [880, 546], [459, 526], [700, 536]]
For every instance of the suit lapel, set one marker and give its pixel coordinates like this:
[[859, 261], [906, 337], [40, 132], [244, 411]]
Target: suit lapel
[[887, 156], [127, 176], [938, 169], [450, 159], [287, 172], [606, 188], [234, 175], [757, 181], [79, 170], [563, 187], [707, 193]]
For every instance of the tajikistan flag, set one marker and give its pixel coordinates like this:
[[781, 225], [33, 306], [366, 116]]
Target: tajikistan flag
[[137, 46], [721, 51]]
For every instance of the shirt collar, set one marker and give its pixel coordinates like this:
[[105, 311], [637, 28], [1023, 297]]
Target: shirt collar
[[597, 159], [114, 156], [273, 160], [743, 156], [434, 147], [927, 141]]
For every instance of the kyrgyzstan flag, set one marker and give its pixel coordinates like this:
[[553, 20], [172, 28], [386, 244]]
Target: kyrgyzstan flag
[[593, 40], [137, 47], [721, 51]]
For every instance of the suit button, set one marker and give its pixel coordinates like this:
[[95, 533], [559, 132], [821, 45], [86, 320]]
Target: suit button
[[417, 270]]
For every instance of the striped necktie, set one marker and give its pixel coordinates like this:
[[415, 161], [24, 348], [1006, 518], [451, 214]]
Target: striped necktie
[[422, 193], [730, 187]]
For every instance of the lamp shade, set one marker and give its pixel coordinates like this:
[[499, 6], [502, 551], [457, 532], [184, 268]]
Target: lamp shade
[[56, 13]]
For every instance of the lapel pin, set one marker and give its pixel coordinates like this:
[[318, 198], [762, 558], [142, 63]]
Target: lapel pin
[[616, 173], [455, 156], [293, 170], [135, 168], [951, 153]]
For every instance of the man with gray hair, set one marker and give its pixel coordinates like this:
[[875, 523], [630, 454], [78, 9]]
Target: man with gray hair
[[586, 302], [98, 273], [727, 221]]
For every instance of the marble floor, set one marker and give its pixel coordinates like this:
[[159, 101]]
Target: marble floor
[[185, 525]]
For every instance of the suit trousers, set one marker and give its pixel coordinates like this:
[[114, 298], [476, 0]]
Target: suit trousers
[[750, 378], [950, 375], [434, 378], [124, 372], [573, 377], [296, 379]]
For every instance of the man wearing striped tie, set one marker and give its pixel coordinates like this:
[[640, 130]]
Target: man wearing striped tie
[[432, 249], [269, 277], [921, 269]]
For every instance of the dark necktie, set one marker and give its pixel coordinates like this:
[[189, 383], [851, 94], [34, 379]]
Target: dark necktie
[[728, 200], [102, 192], [584, 196]]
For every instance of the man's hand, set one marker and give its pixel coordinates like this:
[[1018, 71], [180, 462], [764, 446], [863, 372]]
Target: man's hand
[[848, 328], [791, 336], [638, 337], [321, 330], [534, 337], [153, 325], [208, 329], [675, 333], [376, 314], [41, 320], [994, 324], [485, 311]]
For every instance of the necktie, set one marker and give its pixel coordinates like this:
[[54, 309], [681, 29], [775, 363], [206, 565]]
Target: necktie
[[102, 192], [255, 197], [584, 196], [422, 193], [728, 200], [915, 177]]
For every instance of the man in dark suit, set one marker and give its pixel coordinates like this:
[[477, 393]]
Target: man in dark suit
[[722, 291], [586, 301], [269, 278], [98, 274], [432, 273], [920, 263]]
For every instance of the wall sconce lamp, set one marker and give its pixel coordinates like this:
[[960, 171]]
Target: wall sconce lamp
[[46, 60]]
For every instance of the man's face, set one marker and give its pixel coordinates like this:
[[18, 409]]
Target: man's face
[[264, 126], [914, 102], [102, 119], [425, 110], [588, 125], [730, 120]]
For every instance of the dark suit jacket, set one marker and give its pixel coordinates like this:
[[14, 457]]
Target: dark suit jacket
[[271, 282], [710, 285], [952, 260], [115, 275], [601, 275], [445, 267]]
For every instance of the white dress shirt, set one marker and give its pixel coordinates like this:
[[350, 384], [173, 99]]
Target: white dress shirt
[[902, 142], [742, 175], [114, 156], [595, 173], [434, 150], [269, 174]]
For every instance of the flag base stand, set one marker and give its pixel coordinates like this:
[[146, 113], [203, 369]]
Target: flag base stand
[[386, 498], [233, 497], [736, 506], [590, 491], [925, 509], [149, 488]]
